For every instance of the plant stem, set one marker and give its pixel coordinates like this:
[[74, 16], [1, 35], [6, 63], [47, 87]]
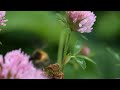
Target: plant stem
[[66, 47], [60, 49], [67, 43]]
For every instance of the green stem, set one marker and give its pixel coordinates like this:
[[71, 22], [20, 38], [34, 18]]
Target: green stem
[[60, 49], [67, 43], [66, 47]]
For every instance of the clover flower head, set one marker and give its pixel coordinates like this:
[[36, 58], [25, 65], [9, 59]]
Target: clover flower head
[[16, 65], [81, 21], [2, 18]]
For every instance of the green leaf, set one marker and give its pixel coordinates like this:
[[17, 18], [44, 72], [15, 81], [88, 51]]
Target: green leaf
[[74, 64], [84, 37], [61, 17], [67, 59], [62, 20], [81, 62], [86, 58], [116, 55], [67, 30], [77, 48]]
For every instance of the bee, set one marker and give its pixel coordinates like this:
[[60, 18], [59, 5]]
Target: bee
[[40, 58]]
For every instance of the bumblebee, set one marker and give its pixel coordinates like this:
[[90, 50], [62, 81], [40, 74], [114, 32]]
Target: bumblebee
[[40, 58]]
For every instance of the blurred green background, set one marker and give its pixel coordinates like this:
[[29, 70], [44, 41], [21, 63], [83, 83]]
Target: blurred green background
[[29, 30]]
